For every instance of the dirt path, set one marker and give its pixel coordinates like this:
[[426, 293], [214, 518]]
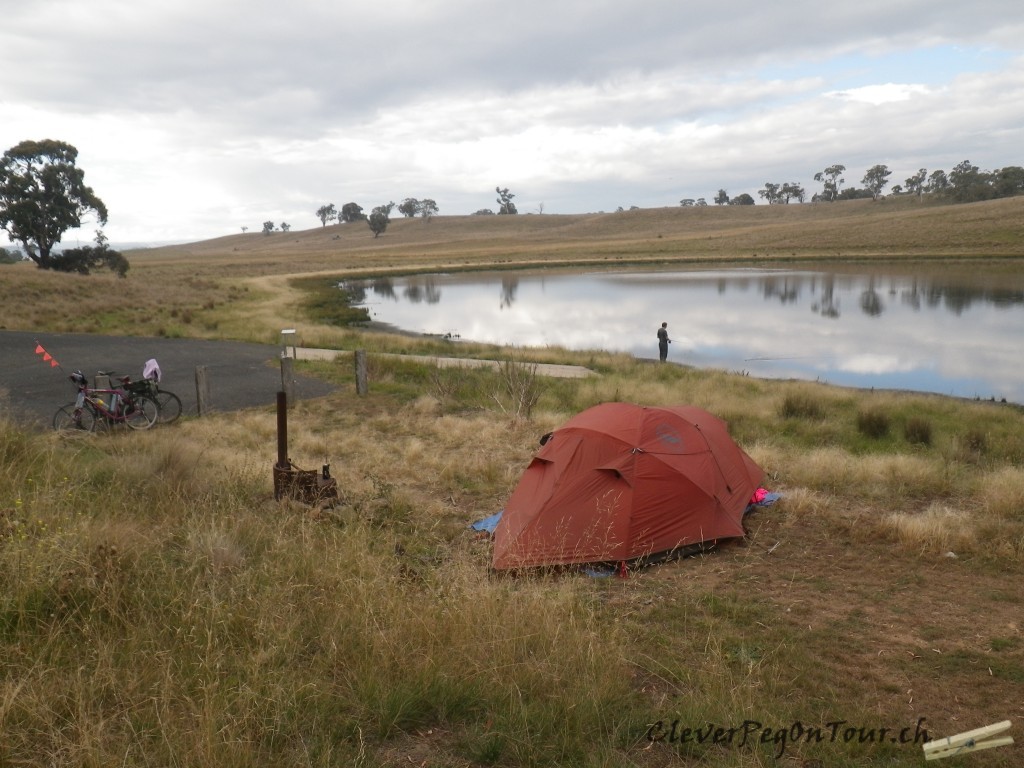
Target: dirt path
[[544, 369]]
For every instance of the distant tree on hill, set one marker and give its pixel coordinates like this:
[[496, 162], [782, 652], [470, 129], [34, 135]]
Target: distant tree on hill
[[428, 208], [742, 199], [268, 227], [484, 212], [505, 201], [782, 193], [411, 207], [326, 213], [968, 184], [722, 198], [379, 219], [686, 202], [9, 257], [915, 184], [285, 226], [43, 195], [352, 212], [770, 193], [244, 230], [853, 193], [937, 181], [831, 181], [1008, 181], [791, 191], [875, 179]]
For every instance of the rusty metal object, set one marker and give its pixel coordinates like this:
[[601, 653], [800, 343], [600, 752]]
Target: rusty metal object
[[305, 485]]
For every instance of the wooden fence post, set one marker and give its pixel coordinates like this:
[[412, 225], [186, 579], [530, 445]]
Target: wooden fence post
[[288, 379], [361, 383], [202, 391]]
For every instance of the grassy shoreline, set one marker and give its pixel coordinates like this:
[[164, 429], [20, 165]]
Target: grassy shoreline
[[158, 607]]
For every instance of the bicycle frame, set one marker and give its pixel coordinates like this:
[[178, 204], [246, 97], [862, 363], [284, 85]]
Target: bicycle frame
[[119, 407], [168, 404], [110, 408]]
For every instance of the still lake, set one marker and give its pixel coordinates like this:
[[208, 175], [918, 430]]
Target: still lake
[[954, 330]]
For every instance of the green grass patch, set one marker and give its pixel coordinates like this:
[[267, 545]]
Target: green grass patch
[[874, 423], [325, 301], [802, 406], [918, 431]]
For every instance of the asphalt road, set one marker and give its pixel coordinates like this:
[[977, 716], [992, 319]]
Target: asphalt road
[[239, 375]]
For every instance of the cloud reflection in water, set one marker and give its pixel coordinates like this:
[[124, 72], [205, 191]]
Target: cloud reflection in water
[[927, 331]]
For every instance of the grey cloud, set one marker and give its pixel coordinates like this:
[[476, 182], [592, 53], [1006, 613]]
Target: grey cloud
[[580, 104]]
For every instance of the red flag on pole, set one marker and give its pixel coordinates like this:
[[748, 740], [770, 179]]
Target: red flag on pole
[[47, 357]]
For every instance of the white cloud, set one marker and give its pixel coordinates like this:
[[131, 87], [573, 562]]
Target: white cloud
[[881, 94], [189, 116]]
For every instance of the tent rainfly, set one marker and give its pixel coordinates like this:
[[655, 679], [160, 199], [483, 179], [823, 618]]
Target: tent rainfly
[[621, 482]]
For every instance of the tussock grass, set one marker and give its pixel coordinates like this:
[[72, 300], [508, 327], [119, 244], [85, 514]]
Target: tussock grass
[[918, 431], [1002, 493], [275, 633], [801, 406], [141, 304], [873, 423], [157, 607], [201, 626], [937, 529]]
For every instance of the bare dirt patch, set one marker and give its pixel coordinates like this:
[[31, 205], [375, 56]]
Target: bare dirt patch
[[889, 631]]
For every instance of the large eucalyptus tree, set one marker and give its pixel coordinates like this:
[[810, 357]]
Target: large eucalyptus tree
[[43, 195]]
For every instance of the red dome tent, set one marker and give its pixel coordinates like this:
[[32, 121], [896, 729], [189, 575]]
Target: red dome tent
[[619, 482]]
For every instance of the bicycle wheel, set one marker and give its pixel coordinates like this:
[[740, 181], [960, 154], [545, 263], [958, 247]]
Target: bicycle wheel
[[141, 412], [169, 405], [71, 419]]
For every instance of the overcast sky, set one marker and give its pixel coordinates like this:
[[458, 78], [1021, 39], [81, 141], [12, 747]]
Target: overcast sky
[[195, 118]]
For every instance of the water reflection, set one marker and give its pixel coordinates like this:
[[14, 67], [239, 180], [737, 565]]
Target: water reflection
[[509, 286], [931, 330]]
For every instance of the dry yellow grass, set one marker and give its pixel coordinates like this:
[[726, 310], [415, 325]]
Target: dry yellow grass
[[377, 624], [856, 229], [938, 529], [158, 607], [1002, 493]]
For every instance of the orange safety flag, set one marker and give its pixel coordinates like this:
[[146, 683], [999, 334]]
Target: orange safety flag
[[47, 357]]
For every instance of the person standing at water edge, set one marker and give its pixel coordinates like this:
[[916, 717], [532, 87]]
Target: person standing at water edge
[[663, 342]]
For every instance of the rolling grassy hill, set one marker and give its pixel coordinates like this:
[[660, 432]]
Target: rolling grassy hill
[[890, 228]]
